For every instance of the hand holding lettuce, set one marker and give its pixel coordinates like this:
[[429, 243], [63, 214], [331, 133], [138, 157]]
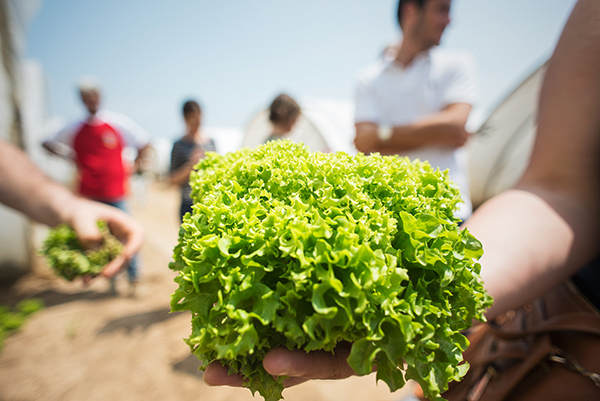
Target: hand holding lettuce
[[289, 248], [67, 257]]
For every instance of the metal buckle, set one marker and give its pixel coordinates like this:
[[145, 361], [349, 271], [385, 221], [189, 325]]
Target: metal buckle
[[572, 364], [477, 391]]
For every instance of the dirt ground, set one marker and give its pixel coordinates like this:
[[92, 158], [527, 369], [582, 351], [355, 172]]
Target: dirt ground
[[89, 345]]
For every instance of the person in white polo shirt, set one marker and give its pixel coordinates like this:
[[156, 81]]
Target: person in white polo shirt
[[416, 99]]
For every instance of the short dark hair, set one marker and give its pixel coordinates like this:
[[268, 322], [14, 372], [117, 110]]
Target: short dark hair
[[401, 4], [191, 106], [283, 110]]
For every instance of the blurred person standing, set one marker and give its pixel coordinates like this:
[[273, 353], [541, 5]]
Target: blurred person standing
[[97, 143], [283, 114], [186, 153], [415, 101]]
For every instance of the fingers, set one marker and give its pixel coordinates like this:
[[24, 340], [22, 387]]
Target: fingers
[[216, 375], [292, 381], [87, 230], [299, 365], [115, 266], [131, 234], [125, 228], [312, 365], [466, 135], [196, 155], [84, 216]]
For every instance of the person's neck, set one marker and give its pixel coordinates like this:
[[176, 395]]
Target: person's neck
[[91, 116], [194, 135], [408, 52], [279, 130]]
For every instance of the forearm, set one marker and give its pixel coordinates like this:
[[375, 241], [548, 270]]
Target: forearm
[[409, 137], [181, 175], [445, 128], [25, 188], [547, 229], [431, 132], [532, 240]]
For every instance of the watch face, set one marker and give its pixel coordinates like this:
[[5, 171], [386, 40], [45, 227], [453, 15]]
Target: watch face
[[384, 132]]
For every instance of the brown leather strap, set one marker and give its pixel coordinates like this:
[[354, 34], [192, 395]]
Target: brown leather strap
[[579, 322], [498, 390], [516, 343], [501, 356]]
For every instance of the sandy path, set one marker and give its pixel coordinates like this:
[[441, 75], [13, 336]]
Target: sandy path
[[87, 345]]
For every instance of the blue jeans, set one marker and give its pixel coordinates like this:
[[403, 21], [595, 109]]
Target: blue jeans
[[132, 268]]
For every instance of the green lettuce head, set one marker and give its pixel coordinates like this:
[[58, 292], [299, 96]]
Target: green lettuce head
[[69, 260], [286, 247]]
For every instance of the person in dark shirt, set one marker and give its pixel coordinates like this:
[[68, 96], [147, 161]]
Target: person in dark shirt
[[186, 153]]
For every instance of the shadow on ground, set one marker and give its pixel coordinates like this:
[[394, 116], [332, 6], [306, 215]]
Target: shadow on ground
[[54, 297], [189, 365], [140, 321]]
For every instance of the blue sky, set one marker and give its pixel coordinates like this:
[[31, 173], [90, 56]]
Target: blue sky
[[234, 56]]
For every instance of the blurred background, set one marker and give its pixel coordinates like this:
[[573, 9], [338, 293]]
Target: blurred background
[[234, 57]]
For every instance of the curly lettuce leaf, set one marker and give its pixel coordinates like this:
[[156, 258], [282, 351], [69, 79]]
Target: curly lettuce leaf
[[69, 260], [286, 247]]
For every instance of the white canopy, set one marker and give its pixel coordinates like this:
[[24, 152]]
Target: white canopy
[[500, 151], [326, 125]]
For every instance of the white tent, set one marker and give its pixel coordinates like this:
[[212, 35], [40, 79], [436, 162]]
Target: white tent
[[500, 151], [326, 125]]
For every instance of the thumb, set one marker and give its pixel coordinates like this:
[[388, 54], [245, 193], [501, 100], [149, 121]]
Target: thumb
[[88, 233]]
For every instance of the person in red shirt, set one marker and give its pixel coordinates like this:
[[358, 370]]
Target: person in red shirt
[[97, 143]]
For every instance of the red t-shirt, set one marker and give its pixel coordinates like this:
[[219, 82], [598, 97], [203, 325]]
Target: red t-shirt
[[99, 150], [98, 144]]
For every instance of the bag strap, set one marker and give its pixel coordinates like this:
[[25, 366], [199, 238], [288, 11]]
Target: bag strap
[[541, 349], [580, 322], [579, 316]]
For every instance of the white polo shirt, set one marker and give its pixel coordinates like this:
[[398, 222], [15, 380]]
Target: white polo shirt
[[388, 94]]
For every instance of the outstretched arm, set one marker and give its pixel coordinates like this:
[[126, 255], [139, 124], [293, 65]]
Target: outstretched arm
[[25, 188], [546, 229]]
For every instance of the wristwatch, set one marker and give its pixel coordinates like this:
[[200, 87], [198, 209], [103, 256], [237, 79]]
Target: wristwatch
[[384, 132]]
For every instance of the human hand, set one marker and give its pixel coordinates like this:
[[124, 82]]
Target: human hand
[[460, 138], [298, 365], [82, 215], [367, 138], [196, 155]]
